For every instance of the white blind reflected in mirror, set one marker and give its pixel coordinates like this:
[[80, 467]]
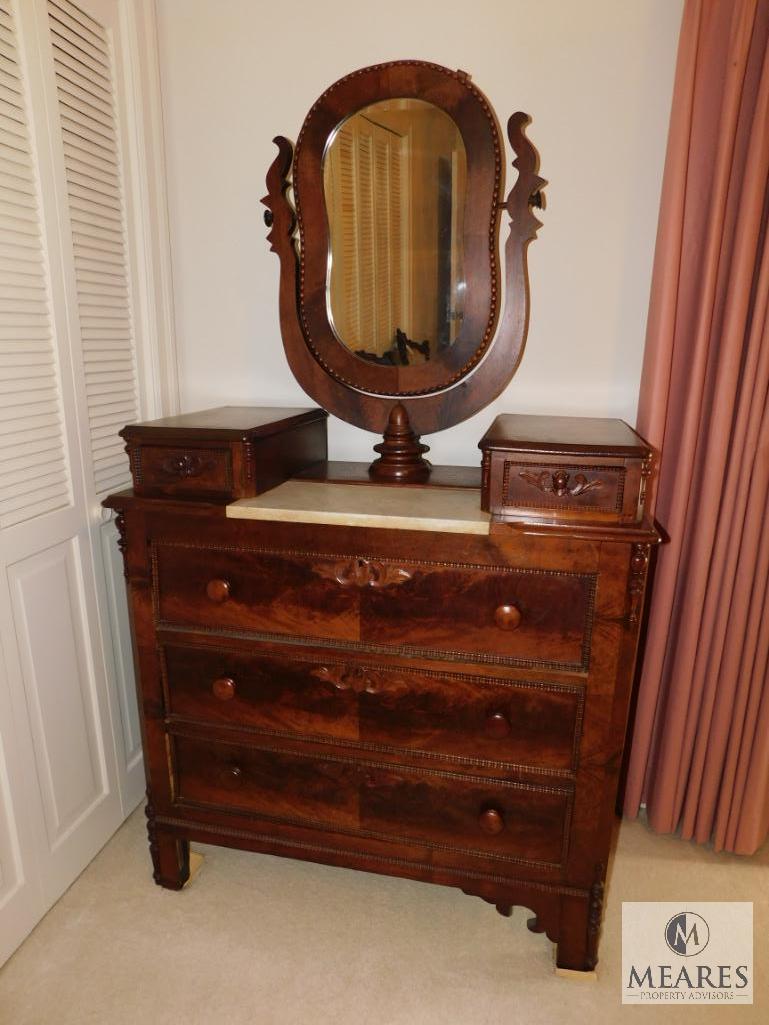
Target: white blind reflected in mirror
[[394, 179]]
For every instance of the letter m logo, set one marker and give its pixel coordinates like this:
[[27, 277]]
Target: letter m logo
[[686, 934]]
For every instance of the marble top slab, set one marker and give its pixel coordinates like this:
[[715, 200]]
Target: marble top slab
[[449, 510]]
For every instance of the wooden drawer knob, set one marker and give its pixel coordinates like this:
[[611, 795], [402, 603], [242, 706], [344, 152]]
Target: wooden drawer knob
[[231, 776], [183, 465], [497, 726], [508, 617], [224, 688], [218, 590], [491, 821]]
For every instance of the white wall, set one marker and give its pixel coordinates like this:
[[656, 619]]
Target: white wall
[[596, 76]]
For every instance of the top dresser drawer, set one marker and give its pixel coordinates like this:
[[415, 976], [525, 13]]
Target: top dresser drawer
[[564, 470], [487, 614], [218, 455]]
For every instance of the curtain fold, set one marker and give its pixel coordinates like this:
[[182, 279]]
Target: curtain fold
[[700, 748]]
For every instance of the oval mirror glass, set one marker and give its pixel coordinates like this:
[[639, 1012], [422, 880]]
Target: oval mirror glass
[[394, 180]]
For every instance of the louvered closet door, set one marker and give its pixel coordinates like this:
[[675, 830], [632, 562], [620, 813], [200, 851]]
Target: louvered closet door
[[84, 71], [90, 168], [69, 739], [32, 450]]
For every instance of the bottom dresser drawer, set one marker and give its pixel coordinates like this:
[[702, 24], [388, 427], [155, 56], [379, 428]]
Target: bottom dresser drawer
[[451, 811]]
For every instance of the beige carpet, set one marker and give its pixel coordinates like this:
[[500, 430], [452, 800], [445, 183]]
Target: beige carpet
[[265, 941]]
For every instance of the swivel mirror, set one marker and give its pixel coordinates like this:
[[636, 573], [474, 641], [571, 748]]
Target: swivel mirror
[[390, 302]]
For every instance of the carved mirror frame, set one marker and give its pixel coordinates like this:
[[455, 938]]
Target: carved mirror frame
[[405, 402]]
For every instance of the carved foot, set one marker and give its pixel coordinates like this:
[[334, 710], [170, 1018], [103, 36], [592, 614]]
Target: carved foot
[[171, 863], [533, 925], [170, 856], [575, 957], [506, 910], [580, 923]]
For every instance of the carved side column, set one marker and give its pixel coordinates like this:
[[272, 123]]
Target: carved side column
[[170, 856], [639, 564]]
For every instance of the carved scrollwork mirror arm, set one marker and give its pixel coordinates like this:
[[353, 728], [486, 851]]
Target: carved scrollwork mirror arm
[[279, 216], [525, 194]]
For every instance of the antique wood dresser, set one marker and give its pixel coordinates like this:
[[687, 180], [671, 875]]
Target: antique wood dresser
[[411, 670]]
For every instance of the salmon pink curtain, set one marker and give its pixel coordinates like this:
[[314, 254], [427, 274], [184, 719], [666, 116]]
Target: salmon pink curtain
[[700, 748]]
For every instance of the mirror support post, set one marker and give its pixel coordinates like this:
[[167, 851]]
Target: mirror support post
[[401, 459]]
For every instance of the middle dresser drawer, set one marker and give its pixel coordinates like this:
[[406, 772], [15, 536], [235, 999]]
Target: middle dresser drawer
[[487, 613], [526, 723]]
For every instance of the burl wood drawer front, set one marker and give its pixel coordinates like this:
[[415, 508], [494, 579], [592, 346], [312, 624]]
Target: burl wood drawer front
[[561, 485], [491, 614], [257, 592], [530, 724], [529, 617], [174, 470], [456, 812]]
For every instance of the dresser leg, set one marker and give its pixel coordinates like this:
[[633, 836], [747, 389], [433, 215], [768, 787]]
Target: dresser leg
[[170, 855], [578, 930], [171, 861]]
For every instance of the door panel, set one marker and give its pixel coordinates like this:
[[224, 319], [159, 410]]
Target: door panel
[[59, 685], [21, 902], [22, 831]]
